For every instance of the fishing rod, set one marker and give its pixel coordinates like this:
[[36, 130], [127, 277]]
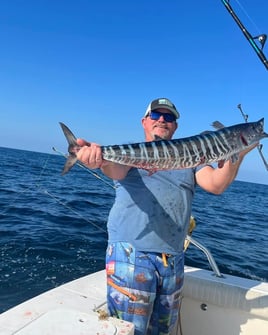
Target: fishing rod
[[259, 147], [261, 38]]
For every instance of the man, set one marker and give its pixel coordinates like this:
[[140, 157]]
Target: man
[[147, 226]]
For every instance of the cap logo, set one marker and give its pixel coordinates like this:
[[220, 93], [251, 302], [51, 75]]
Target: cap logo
[[165, 102]]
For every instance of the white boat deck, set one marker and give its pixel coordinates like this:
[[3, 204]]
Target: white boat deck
[[70, 309], [210, 305]]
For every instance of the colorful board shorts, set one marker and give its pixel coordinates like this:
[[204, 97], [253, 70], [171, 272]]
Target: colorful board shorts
[[144, 287]]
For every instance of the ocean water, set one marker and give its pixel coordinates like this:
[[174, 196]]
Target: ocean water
[[53, 227]]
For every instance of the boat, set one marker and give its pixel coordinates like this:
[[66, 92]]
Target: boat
[[212, 303]]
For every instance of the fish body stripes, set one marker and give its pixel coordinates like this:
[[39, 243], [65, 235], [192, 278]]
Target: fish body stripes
[[189, 152]]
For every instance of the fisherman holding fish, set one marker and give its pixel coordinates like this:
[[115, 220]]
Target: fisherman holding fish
[[148, 223]]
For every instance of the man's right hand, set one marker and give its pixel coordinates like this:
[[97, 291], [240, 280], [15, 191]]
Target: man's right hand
[[89, 154]]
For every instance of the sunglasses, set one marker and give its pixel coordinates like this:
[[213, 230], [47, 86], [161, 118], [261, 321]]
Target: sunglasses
[[155, 115]]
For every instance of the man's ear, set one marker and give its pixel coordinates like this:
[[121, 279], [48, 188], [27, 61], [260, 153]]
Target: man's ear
[[143, 120]]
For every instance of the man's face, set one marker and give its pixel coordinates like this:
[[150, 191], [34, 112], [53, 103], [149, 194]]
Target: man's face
[[159, 127]]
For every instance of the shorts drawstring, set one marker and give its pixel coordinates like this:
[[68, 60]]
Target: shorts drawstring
[[164, 259]]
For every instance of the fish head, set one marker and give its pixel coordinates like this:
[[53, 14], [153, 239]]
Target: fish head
[[259, 129], [253, 132]]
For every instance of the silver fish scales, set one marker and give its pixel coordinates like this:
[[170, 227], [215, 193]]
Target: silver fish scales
[[189, 152]]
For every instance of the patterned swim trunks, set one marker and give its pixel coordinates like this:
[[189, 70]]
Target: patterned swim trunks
[[144, 287]]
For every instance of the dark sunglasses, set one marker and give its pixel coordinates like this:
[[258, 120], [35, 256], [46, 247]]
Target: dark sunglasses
[[155, 115]]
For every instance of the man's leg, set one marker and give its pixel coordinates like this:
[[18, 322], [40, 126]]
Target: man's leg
[[131, 285]]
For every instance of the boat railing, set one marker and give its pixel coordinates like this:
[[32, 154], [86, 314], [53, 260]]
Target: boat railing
[[208, 254]]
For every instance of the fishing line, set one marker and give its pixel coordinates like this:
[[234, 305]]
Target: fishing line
[[14, 201], [27, 188], [43, 190], [261, 38], [59, 201], [86, 169], [247, 15]]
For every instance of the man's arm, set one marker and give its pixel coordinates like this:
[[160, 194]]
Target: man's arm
[[91, 156], [217, 180]]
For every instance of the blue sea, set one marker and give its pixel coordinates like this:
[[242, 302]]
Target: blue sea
[[53, 227]]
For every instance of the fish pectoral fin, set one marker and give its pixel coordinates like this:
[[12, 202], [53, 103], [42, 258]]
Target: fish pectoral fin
[[234, 158]]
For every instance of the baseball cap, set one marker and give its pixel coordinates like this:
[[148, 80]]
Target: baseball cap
[[162, 103]]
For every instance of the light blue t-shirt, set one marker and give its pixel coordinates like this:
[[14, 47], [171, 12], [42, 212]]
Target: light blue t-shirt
[[152, 212]]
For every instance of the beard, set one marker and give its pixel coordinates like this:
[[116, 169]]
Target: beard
[[161, 132]]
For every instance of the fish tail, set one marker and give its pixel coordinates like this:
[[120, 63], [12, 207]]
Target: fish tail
[[71, 139]]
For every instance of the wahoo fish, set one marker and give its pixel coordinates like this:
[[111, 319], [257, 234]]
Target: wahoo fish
[[209, 147]]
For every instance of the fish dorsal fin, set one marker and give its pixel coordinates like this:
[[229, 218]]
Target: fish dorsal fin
[[217, 125]]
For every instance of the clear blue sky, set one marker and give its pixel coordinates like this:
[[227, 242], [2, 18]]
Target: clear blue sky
[[95, 65]]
